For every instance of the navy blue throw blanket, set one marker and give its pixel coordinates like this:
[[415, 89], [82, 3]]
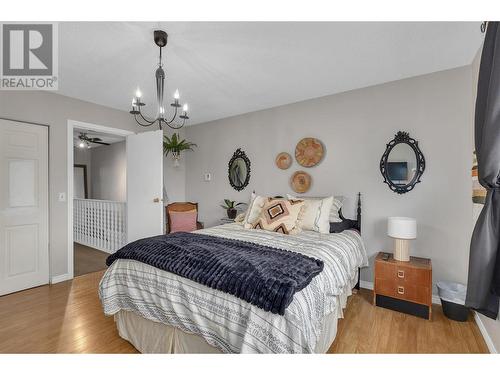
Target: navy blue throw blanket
[[261, 275]]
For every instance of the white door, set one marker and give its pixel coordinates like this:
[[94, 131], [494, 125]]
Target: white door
[[24, 222], [144, 185]]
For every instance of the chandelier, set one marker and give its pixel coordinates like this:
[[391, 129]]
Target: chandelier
[[174, 122]]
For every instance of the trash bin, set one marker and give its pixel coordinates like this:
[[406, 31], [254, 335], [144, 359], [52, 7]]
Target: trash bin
[[453, 300]]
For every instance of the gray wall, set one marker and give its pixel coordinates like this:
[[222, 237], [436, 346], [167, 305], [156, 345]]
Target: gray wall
[[355, 127], [55, 110], [174, 178], [109, 172], [83, 156]]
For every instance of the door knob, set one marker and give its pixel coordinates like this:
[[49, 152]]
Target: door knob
[[157, 200]]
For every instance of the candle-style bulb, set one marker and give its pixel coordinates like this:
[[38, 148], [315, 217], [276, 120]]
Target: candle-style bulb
[[138, 93], [176, 94], [185, 107]]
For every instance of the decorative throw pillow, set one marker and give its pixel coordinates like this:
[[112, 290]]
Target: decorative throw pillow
[[254, 210], [316, 213], [240, 218], [280, 215], [334, 212], [183, 221]]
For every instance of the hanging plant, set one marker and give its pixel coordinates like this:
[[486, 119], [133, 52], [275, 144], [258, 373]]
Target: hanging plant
[[175, 145]]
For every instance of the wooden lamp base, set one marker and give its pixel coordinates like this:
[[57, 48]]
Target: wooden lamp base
[[402, 250]]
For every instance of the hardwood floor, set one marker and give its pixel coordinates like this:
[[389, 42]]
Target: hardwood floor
[[370, 329], [87, 260], [60, 318], [68, 318]]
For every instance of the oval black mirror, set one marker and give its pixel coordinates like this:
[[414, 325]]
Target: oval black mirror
[[402, 163], [239, 170]]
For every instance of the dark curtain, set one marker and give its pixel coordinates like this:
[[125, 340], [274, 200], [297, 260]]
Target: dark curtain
[[483, 287]]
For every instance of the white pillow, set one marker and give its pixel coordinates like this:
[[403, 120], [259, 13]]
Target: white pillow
[[254, 209], [334, 213], [316, 213]]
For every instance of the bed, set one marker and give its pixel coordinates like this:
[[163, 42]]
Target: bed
[[161, 312]]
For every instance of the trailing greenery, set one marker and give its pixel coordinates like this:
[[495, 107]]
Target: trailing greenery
[[228, 204], [175, 144]]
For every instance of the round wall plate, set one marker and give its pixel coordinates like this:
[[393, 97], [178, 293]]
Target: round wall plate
[[283, 160], [309, 152], [301, 182]]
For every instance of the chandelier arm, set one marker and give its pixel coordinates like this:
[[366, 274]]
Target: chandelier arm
[[177, 127], [148, 123], [173, 117], [145, 119]]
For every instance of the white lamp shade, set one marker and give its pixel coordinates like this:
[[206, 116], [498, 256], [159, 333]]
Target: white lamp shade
[[402, 227]]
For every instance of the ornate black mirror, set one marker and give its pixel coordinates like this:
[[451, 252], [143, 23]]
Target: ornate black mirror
[[239, 170], [402, 163]]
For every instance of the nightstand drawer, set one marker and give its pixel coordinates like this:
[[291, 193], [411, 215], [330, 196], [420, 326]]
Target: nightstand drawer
[[411, 275], [403, 274], [403, 290]]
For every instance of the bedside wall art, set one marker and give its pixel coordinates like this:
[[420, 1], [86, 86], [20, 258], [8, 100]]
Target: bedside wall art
[[283, 160], [309, 152], [300, 182]]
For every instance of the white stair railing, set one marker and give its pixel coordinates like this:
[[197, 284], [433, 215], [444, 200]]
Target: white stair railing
[[99, 224]]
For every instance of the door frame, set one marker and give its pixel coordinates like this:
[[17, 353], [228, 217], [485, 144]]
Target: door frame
[[72, 124]]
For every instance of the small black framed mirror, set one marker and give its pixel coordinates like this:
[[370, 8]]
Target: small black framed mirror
[[239, 170], [402, 163]]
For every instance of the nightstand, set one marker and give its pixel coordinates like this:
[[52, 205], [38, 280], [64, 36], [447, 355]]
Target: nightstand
[[404, 286]]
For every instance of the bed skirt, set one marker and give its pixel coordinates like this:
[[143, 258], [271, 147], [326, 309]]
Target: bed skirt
[[153, 337]]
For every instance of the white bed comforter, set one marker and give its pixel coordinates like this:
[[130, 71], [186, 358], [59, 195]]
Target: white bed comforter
[[227, 322]]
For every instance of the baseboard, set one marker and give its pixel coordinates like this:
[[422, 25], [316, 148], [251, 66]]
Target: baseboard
[[366, 284], [484, 332], [369, 285], [60, 278]]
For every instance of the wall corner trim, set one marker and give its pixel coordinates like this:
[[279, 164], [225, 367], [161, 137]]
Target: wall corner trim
[[484, 332], [60, 278]]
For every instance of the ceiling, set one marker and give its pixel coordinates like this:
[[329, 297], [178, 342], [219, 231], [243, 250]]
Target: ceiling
[[106, 138], [224, 69]]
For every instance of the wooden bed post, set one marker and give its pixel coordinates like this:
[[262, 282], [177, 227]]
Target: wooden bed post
[[358, 216], [358, 219]]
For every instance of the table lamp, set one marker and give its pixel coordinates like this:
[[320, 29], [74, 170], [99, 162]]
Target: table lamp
[[402, 229]]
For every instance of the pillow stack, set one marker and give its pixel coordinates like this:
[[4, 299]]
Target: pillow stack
[[291, 215]]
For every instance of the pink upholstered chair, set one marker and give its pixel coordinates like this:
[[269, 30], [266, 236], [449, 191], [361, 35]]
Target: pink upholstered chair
[[182, 217]]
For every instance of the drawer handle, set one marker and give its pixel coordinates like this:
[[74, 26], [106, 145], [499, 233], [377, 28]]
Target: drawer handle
[[401, 290], [401, 274]]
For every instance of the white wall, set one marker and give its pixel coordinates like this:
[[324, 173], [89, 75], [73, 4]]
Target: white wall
[[54, 110], [109, 172], [355, 127]]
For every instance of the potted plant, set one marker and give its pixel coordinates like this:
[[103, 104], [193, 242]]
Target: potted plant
[[175, 145], [230, 207]]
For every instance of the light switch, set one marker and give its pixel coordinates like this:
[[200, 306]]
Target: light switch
[[208, 176], [62, 197]]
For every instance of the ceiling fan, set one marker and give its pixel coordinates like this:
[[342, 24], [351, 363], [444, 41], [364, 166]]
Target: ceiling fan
[[85, 141]]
